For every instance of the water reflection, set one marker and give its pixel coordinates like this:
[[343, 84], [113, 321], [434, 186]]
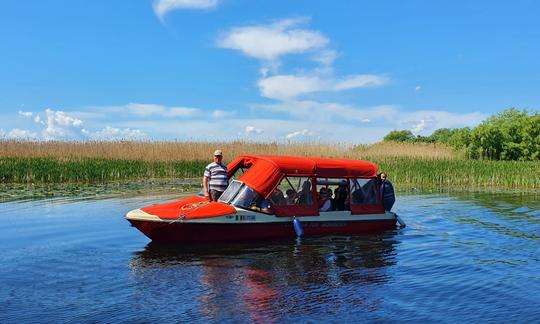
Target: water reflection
[[78, 260], [264, 280]]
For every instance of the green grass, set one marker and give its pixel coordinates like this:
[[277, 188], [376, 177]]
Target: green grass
[[462, 173], [402, 171], [91, 170]]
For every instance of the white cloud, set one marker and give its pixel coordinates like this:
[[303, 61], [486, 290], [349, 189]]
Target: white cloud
[[38, 120], [321, 113], [417, 88], [250, 130], [279, 121], [222, 113], [301, 133], [163, 7], [359, 81], [270, 42], [26, 114], [146, 110], [419, 127], [329, 122], [325, 57], [111, 133], [21, 134], [61, 126], [287, 87], [426, 121], [389, 117]]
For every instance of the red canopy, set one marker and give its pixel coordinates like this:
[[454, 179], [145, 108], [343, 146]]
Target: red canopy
[[265, 171]]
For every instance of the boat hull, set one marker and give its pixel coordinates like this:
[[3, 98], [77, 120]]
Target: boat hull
[[223, 232]]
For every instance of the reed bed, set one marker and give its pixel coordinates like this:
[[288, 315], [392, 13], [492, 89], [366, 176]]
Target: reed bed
[[466, 174], [202, 151], [92, 170], [419, 165]]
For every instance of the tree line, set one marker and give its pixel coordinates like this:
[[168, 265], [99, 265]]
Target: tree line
[[510, 135]]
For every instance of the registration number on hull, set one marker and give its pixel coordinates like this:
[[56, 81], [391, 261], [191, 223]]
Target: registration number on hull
[[242, 218]]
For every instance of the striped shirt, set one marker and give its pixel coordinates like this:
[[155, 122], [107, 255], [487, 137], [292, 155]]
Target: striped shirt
[[217, 176]]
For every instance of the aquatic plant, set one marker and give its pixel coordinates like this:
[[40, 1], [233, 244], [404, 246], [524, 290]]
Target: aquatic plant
[[416, 164]]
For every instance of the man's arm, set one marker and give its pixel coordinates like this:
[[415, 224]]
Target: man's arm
[[205, 186]]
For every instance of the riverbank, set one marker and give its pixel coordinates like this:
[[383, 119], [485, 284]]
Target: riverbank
[[408, 164], [403, 171]]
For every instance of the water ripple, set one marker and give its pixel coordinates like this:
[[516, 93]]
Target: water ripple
[[464, 257]]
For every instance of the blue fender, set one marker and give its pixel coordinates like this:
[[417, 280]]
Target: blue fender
[[297, 227]]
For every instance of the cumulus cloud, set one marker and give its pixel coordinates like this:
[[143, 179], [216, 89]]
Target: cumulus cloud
[[419, 127], [325, 57], [300, 133], [61, 126], [38, 120], [389, 117], [283, 120], [26, 114], [252, 130], [19, 134], [112, 133], [321, 112], [426, 121], [222, 113], [146, 110], [287, 87], [270, 42], [163, 7]]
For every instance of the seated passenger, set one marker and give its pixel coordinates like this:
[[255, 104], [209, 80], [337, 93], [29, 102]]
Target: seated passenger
[[261, 205], [291, 196], [325, 204], [341, 198], [305, 197], [277, 198], [370, 193], [358, 196]]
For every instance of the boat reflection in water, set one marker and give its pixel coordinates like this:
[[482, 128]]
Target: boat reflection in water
[[266, 282]]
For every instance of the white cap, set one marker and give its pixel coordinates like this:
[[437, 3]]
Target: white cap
[[218, 153]]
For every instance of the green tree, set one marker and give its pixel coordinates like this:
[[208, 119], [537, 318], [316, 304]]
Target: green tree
[[399, 136], [442, 135], [510, 135]]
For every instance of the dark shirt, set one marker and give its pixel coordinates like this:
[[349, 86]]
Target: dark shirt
[[388, 195]]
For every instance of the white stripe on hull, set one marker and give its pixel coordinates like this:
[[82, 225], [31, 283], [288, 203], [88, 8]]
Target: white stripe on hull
[[245, 217]]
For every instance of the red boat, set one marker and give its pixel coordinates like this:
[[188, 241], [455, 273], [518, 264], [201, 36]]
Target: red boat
[[271, 197]]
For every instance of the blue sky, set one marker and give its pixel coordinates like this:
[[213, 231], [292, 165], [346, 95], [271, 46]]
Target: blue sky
[[340, 71]]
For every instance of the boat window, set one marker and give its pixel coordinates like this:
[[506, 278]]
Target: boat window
[[231, 191], [332, 194], [247, 197], [363, 191], [293, 191]]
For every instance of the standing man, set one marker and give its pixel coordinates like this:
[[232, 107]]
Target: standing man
[[215, 179], [387, 192]]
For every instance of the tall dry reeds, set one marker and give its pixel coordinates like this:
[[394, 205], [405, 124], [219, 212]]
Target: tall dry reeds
[[99, 162], [170, 151]]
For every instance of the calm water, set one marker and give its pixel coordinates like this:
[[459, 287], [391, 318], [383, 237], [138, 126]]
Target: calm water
[[463, 257]]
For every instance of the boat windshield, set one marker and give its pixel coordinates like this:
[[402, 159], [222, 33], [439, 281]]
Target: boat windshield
[[231, 191], [246, 197], [239, 194]]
